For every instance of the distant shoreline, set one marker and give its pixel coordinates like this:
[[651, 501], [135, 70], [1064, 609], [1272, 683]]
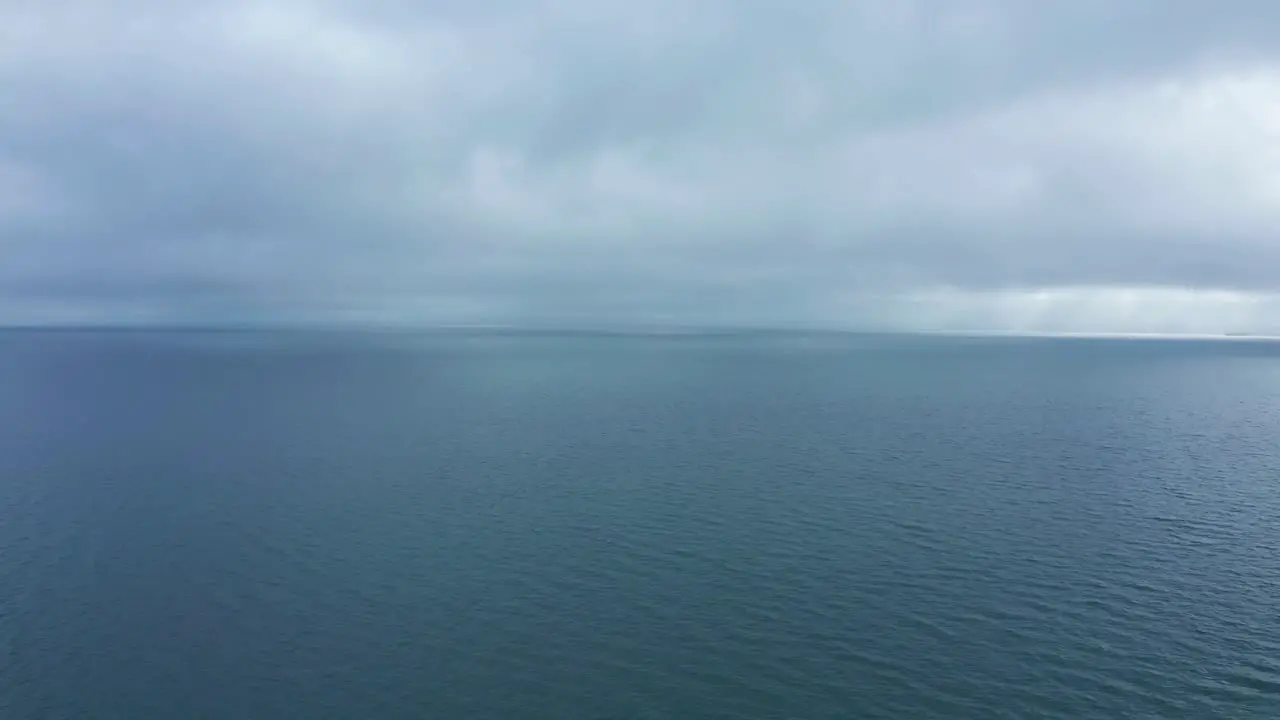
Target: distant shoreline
[[1232, 337]]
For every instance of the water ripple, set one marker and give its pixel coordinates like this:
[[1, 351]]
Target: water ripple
[[662, 529]]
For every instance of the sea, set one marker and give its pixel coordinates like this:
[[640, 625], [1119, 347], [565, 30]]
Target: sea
[[482, 524]]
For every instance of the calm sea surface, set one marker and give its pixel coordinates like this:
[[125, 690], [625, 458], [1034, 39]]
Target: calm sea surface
[[310, 525]]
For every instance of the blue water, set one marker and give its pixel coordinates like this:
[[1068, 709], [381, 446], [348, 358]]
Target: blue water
[[453, 525]]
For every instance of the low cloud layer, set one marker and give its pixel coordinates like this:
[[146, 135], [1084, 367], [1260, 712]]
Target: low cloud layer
[[968, 164]]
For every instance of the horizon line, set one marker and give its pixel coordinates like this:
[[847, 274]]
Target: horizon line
[[618, 329]]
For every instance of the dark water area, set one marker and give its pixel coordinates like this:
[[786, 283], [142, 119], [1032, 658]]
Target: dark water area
[[479, 525]]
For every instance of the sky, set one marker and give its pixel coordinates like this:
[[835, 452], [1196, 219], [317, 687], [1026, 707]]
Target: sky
[[994, 165]]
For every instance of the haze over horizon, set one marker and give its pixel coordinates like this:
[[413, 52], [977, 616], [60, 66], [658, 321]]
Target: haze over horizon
[[964, 165]]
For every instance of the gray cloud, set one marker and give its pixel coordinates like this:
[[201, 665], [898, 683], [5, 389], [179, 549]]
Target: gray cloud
[[961, 164]]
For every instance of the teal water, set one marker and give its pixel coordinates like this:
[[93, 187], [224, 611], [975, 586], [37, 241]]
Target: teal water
[[454, 525]]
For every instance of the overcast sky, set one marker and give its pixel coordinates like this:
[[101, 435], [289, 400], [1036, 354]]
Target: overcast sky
[[1077, 165]]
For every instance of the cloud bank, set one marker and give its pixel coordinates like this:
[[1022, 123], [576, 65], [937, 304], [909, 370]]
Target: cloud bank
[[968, 164]]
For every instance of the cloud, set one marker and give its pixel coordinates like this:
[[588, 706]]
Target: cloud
[[977, 163]]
